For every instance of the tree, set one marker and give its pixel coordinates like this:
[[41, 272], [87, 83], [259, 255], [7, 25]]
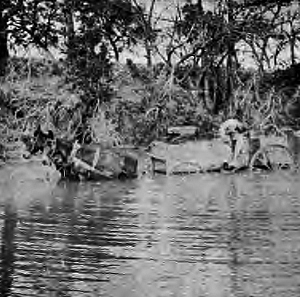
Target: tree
[[3, 37], [67, 8], [145, 30], [288, 35], [43, 23], [103, 30], [213, 39], [27, 22], [32, 22], [111, 22]]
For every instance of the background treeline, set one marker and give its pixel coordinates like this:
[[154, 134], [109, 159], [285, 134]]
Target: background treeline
[[194, 70]]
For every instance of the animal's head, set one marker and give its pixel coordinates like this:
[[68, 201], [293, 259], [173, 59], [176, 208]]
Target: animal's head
[[40, 143]]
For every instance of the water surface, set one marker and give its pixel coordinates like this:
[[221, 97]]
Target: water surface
[[199, 235]]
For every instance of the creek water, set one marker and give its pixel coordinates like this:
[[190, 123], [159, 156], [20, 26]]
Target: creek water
[[209, 235]]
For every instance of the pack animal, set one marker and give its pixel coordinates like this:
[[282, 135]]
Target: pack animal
[[84, 162], [37, 143]]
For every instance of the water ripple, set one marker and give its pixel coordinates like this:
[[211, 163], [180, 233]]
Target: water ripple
[[202, 235]]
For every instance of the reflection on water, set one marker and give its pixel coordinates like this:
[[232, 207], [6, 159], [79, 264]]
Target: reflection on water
[[199, 235], [7, 255]]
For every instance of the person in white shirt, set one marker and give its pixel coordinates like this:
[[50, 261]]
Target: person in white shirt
[[235, 134]]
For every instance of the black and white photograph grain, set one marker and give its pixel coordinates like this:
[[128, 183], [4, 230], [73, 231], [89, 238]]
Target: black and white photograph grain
[[149, 148]]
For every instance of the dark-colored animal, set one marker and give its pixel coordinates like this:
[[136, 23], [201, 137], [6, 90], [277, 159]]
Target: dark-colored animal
[[92, 161], [38, 142]]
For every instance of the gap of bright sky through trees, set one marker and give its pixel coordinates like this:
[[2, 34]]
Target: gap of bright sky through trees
[[262, 34]]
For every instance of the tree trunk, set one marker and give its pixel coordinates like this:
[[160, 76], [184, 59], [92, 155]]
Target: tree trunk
[[149, 33], [206, 93], [114, 47], [200, 6], [4, 54], [70, 30], [293, 46], [229, 82], [148, 53], [229, 65]]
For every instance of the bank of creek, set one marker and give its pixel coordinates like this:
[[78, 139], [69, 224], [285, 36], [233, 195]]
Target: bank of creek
[[216, 235]]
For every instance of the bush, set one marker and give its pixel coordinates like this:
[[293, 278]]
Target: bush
[[160, 103], [127, 104]]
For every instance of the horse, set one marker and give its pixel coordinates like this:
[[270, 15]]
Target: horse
[[83, 162]]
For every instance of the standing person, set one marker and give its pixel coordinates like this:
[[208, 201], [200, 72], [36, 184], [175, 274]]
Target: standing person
[[234, 133]]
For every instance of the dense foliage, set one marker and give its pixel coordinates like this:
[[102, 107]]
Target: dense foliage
[[195, 72]]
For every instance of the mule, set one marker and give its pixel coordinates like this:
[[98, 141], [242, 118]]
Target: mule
[[38, 142], [91, 161]]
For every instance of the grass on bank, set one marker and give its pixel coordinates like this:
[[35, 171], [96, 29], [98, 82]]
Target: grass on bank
[[142, 106]]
